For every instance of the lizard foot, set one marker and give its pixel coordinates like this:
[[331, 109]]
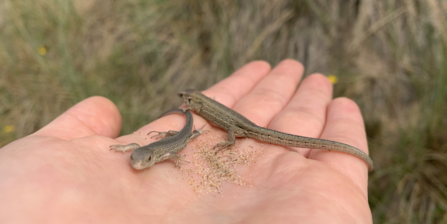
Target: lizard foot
[[200, 131], [223, 145], [162, 134]]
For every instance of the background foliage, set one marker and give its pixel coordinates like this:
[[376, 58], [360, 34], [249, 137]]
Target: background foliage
[[389, 56]]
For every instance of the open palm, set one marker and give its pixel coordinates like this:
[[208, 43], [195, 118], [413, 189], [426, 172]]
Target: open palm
[[64, 173]]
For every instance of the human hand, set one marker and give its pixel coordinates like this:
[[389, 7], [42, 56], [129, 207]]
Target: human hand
[[64, 172]]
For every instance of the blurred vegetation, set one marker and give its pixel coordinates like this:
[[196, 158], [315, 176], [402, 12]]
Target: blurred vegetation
[[389, 56]]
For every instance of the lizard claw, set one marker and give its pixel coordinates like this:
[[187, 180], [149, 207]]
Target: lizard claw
[[200, 130], [163, 134], [160, 134], [223, 145]]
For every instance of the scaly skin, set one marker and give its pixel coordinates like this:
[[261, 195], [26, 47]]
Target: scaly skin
[[239, 126], [167, 148]]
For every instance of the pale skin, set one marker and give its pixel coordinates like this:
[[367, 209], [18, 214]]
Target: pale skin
[[65, 173]]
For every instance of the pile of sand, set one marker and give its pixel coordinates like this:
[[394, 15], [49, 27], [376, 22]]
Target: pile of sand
[[207, 170]]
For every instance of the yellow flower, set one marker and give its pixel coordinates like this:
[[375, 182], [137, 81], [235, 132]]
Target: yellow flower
[[8, 128], [42, 50], [138, 37], [333, 78]]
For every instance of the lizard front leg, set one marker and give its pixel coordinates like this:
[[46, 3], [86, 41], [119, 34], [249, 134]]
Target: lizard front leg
[[231, 140], [162, 134], [194, 107]]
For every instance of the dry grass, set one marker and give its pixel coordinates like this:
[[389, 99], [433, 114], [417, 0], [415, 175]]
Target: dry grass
[[389, 56]]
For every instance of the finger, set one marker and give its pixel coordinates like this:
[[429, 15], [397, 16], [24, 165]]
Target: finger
[[92, 116], [272, 93], [231, 89], [305, 114], [345, 124]]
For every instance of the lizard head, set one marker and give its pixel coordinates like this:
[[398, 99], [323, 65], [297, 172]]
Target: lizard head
[[187, 97], [142, 158]]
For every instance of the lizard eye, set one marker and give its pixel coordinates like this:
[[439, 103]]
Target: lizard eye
[[149, 159]]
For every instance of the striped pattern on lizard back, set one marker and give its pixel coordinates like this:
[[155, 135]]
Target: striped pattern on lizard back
[[229, 120]]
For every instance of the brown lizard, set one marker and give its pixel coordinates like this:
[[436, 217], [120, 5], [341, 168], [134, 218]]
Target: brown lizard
[[239, 126], [167, 148]]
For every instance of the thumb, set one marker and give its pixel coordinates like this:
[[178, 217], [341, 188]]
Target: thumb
[[92, 116]]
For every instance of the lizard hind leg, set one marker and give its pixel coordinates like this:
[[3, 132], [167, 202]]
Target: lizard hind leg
[[227, 144], [198, 132]]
